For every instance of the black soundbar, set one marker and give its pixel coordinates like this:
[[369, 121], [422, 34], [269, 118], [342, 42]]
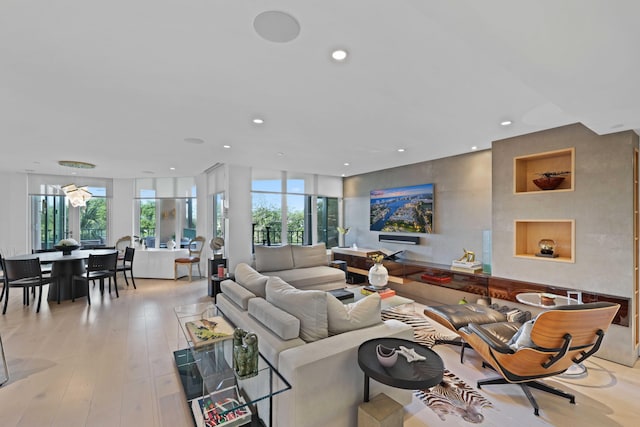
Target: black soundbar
[[391, 238]]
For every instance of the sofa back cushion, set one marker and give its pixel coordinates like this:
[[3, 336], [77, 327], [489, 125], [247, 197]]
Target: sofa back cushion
[[309, 256], [310, 307], [278, 321], [273, 258], [250, 279], [357, 315]]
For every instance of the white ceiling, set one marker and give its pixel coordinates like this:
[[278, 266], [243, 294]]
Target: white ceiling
[[122, 83]]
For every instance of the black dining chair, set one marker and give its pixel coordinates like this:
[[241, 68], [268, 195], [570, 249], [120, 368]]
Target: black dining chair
[[99, 267], [25, 274], [127, 265]]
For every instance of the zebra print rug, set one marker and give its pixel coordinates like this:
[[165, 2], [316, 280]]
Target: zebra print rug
[[452, 396]]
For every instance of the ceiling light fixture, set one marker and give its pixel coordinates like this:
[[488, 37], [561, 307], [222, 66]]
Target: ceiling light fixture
[[76, 164], [346, 164], [506, 123], [258, 121], [172, 168], [226, 146], [400, 150], [339, 55], [77, 196]]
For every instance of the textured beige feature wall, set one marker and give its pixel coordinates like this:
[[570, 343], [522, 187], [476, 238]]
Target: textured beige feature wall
[[601, 205], [462, 205]]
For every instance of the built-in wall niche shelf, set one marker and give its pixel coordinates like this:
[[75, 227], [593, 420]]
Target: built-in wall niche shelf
[[529, 233], [530, 167]]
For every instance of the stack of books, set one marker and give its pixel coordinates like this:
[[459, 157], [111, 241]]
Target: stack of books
[[466, 266], [384, 292], [436, 277]]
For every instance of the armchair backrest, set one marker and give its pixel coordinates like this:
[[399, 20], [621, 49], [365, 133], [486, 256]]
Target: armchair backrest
[[581, 321]]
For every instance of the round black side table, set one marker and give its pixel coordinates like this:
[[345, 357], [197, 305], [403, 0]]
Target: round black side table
[[416, 375]]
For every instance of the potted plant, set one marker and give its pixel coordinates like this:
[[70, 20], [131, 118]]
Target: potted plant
[[550, 180]]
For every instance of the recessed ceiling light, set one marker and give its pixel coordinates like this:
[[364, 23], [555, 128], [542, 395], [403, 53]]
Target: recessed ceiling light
[[172, 169], [344, 174], [258, 121], [474, 148], [339, 55], [194, 140], [226, 146], [506, 123], [346, 164], [400, 150]]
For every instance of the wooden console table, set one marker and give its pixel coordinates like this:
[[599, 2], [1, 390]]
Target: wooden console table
[[408, 271]]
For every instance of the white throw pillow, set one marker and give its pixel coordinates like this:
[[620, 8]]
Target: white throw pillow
[[250, 279], [356, 315], [522, 337], [310, 307]]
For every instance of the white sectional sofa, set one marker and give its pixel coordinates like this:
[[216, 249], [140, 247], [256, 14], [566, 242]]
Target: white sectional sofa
[[312, 339], [305, 267]]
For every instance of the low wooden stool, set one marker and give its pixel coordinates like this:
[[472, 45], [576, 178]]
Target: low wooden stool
[[381, 411]]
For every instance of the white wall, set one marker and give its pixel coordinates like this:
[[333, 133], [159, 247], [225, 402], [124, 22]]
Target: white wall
[[122, 215], [462, 206], [14, 214]]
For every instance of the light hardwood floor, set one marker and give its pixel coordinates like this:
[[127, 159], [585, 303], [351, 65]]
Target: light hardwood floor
[[111, 365]]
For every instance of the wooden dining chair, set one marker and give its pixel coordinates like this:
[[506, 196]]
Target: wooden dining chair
[[195, 249], [25, 274], [99, 267]]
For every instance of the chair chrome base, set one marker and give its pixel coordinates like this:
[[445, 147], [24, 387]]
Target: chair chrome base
[[525, 388]]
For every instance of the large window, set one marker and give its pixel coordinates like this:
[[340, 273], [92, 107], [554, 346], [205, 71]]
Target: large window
[[286, 210], [53, 219], [167, 210]]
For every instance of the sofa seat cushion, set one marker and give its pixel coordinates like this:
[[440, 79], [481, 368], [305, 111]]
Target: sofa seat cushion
[[270, 344], [309, 256], [310, 307], [273, 258], [239, 295], [310, 276], [357, 315], [281, 323], [250, 279]]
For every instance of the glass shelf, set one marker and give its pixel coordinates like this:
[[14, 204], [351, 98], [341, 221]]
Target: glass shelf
[[207, 371]]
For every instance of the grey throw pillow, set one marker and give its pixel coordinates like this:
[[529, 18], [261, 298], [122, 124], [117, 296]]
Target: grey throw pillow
[[310, 307], [357, 315]]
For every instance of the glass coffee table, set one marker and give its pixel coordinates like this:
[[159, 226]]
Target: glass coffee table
[[209, 380]]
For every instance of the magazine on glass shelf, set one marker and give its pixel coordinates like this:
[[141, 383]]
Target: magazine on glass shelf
[[221, 408]]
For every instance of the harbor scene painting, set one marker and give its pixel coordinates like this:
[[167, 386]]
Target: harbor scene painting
[[402, 209]]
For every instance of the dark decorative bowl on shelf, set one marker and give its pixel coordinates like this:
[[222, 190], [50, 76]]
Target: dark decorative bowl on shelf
[[548, 183], [67, 249]]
